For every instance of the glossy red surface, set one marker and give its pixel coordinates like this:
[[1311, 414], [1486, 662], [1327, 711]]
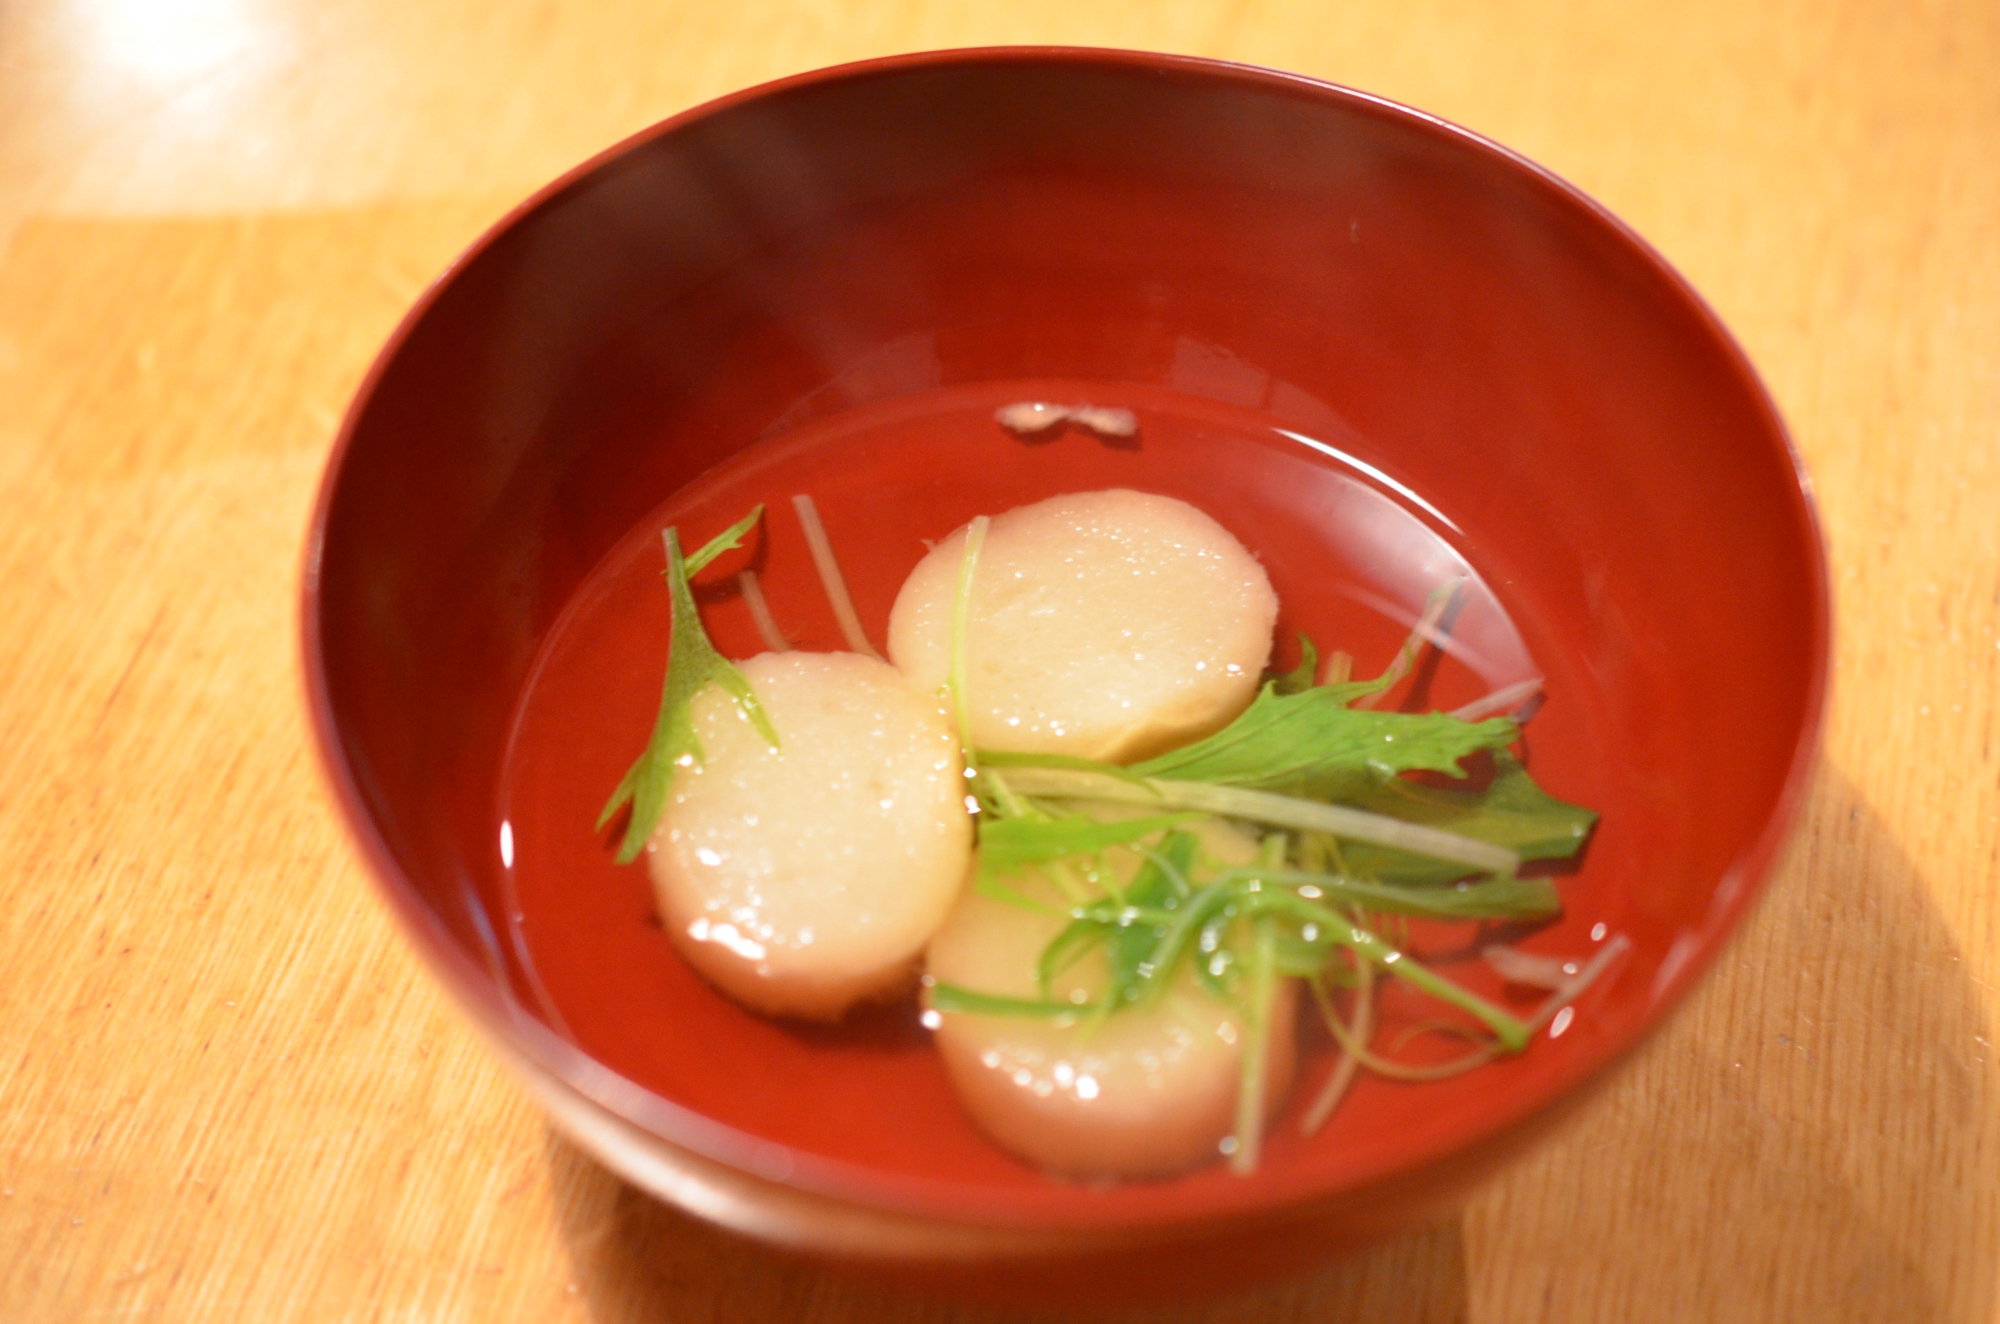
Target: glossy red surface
[[825, 285]]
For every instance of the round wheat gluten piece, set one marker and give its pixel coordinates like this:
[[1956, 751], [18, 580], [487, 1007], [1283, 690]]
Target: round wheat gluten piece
[[1111, 625], [804, 879]]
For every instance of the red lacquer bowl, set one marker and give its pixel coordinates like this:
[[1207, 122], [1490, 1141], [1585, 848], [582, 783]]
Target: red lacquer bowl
[[1488, 354]]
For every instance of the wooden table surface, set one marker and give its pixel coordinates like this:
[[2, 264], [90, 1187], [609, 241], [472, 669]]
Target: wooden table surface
[[227, 1090]]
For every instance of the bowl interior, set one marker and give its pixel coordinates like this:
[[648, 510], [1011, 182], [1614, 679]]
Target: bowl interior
[[1501, 364]]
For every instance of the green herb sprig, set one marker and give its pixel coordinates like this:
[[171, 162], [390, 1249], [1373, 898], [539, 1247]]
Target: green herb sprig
[[1346, 842], [1310, 744], [692, 666], [1345, 836]]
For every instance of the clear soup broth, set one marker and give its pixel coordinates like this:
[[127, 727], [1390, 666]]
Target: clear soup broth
[[1351, 554]]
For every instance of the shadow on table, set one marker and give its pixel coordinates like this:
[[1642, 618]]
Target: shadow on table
[[1821, 1124], [638, 1261]]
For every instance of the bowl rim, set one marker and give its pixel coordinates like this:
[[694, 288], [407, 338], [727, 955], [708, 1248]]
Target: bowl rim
[[531, 1045]]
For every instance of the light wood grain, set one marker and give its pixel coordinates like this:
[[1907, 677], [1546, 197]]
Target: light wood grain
[[227, 1091]]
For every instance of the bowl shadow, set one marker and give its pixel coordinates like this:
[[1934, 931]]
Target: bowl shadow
[[638, 1261], [1822, 1125]]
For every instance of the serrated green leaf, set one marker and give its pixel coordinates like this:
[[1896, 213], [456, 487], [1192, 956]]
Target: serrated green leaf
[[1313, 746], [692, 666]]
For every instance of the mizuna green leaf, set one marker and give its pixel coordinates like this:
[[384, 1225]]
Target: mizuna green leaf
[[1512, 812], [1313, 746], [692, 666]]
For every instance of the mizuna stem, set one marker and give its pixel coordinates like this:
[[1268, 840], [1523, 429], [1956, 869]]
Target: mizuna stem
[[1277, 810]]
